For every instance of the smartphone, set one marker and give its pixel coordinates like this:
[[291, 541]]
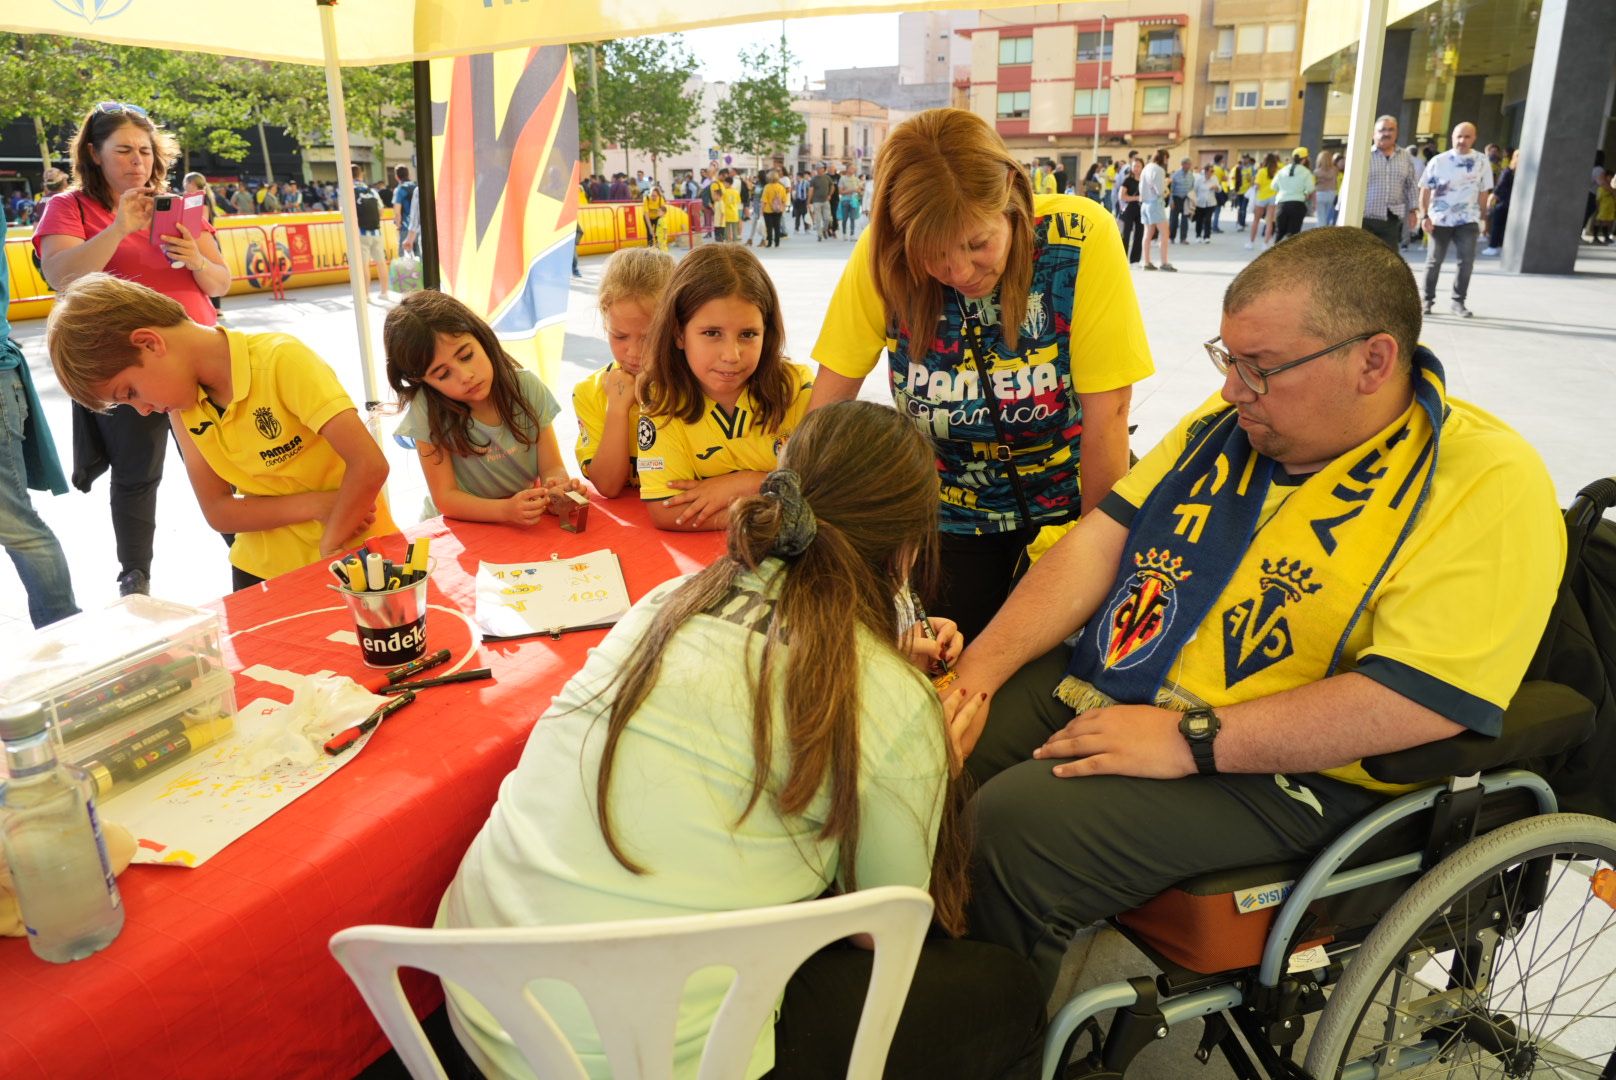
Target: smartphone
[[170, 211]]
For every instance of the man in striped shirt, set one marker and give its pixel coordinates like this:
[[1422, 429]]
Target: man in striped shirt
[[1391, 196]]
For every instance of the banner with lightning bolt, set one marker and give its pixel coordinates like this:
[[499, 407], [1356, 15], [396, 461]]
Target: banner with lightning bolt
[[504, 156]]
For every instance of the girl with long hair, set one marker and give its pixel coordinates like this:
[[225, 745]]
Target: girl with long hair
[[719, 396], [1262, 200], [480, 423], [758, 734]]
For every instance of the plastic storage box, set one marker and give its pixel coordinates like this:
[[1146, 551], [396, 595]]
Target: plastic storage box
[[129, 690]]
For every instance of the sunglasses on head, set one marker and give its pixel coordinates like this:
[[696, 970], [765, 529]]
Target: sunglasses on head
[[113, 108]]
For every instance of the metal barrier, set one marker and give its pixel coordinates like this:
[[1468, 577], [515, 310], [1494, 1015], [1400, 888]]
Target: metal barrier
[[317, 252], [608, 225]]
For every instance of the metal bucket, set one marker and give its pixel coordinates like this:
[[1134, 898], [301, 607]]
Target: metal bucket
[[391, 623]]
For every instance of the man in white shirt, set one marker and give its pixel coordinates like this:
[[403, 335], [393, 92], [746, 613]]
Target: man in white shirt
[[1454, 191]]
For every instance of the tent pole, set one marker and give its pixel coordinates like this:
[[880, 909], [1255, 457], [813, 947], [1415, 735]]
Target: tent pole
[[1361, 132], [426, 182], [350, 210]]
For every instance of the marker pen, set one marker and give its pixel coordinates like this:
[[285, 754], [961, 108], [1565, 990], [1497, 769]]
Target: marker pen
[[124, 707], [137, 759], [415, 667], [419, 550], [355, 570], [342, 740], [339, 573], [127, 683], [373, 572], [441, 680]]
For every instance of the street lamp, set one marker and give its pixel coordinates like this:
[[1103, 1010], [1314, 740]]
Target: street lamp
[[1099, 81]]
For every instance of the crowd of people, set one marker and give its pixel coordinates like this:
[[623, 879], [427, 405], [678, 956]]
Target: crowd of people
[[1173, 738]]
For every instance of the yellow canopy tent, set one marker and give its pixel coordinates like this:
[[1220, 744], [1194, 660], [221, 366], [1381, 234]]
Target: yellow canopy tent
[[361, 33]]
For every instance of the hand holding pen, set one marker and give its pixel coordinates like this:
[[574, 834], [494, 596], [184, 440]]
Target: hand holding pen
[[933, 644]]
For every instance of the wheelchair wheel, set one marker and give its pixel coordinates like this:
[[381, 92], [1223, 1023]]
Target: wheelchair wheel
[[1500, 962]]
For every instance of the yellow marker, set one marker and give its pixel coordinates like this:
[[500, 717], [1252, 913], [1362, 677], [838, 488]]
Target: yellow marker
[[355, 569], [418, 556]]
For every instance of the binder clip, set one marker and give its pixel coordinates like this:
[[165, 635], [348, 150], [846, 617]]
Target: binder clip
[[572, 509]]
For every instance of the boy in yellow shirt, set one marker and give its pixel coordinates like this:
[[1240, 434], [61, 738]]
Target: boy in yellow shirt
[[274, 448], [732, 209]]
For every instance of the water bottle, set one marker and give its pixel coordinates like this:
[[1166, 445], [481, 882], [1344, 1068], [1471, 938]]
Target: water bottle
[[65, 886]]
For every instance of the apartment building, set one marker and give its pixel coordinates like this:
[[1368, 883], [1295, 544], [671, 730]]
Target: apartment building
[[840, 132], [1253, 98]]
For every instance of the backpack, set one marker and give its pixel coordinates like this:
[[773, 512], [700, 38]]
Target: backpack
[[370, 208], [1579, 650], [402, 199]]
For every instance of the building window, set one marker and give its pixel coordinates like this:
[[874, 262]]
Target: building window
[[1158, 99], [1276, 93], [1225, 47], [1091, 103], [1249, 39], [1091, 46], [1159, 50], [1220, 97], [1015, 50], [1015, 106], [1245, 95], [1282, 38]]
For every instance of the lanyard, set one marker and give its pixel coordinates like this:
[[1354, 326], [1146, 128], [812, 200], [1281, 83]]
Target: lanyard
[[971, 325]]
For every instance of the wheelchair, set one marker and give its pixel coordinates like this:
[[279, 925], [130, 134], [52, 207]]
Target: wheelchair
[[1466, 928]]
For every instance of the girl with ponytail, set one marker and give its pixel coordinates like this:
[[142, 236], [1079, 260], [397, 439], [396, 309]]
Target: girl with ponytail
[[760, 733]]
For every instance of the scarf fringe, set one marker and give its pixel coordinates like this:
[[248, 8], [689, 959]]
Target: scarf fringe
[[1082, 695]]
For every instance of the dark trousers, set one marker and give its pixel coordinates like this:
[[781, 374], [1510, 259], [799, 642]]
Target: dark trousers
[[1203, 221], [240, 579], [1178, 221], [1217, 212], [799, 215], [136, 447], [773, 228], [1289, 218], [1054, 855], [974, 1010], [1389, 229], [1240, 203], [1132, 232], [1463, 239], [1495, 228], [977, 575]]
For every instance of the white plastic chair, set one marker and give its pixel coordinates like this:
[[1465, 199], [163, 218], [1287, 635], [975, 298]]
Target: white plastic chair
[[632, 974]]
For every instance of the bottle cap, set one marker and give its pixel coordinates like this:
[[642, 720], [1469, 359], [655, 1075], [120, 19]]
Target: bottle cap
[[21, 720]]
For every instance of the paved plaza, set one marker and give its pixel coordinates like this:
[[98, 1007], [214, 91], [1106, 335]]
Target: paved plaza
[[1541, 353]]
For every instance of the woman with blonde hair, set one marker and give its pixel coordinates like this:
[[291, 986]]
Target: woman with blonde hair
[[1029, 342]]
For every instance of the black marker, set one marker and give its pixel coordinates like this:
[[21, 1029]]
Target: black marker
[[441, 680]]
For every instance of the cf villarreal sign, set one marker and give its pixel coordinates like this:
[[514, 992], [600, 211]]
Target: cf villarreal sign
[[1142, 610]]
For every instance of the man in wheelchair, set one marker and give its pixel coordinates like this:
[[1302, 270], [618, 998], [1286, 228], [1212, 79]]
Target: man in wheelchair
[[1327, 561]]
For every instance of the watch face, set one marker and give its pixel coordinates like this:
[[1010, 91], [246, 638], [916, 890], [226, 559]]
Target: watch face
[[1196, 727]]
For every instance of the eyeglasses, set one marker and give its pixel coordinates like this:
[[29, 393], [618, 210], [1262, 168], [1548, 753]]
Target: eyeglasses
[[113, 108], [1257, 377]]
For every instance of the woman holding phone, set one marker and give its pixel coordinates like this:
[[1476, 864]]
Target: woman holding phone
[[104, 222]]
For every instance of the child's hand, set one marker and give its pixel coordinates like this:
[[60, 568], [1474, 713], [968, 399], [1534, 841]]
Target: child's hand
[[327, 551], [619, 388], [560, 486], [527, 506], [959, 710], [703, 500], [925, 653]]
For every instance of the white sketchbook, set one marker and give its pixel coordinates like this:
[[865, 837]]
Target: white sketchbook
[[582, 592]]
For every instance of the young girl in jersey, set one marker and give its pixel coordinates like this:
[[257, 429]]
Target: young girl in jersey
[[718, 395], [605, 402], [480, 423]]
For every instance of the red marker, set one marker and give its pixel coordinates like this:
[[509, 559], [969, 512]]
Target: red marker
[[342, 740]]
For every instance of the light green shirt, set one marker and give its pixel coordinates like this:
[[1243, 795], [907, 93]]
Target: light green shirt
[[681, 780], [1293, 183]]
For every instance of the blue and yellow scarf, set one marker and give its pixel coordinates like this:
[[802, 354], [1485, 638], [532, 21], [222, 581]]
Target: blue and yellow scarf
[[1203, 579]]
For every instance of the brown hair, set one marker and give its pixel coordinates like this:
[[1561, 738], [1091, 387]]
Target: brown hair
[[87, 334], [1270, 164], [716, 272], [410, 339], [100, 126], [835, 597], [940, 172], [1356, 285], [639, 274]]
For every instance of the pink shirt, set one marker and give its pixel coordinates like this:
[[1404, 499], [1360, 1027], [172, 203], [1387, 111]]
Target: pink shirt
[[73, 213]]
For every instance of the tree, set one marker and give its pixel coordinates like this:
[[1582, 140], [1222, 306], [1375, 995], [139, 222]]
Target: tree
[[756, 118], [191, 94], [586, 64], [645, 96], [381, 104], [53, 81]]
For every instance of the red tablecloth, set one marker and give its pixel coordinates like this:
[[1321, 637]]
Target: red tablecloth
[[223, 971]]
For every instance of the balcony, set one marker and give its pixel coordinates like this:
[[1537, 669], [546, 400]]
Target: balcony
[[1160, 64]]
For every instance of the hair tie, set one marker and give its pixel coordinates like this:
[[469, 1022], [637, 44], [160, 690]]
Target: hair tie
[[797, 524]]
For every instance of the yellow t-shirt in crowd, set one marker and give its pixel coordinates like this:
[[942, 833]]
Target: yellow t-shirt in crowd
[[589, 402], [1044, 184], [654, 205], [1457, 617], [716, 445], [775, 197], [1221, 177], [732, 202], [1264, 184], [266, 441]]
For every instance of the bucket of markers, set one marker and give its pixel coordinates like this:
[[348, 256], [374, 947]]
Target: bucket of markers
[[391, 621]]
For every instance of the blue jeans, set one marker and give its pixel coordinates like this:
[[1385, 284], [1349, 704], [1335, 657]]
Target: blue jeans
[[26, 538]]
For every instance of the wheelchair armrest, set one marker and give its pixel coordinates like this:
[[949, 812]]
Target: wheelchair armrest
[[1543, 718]]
